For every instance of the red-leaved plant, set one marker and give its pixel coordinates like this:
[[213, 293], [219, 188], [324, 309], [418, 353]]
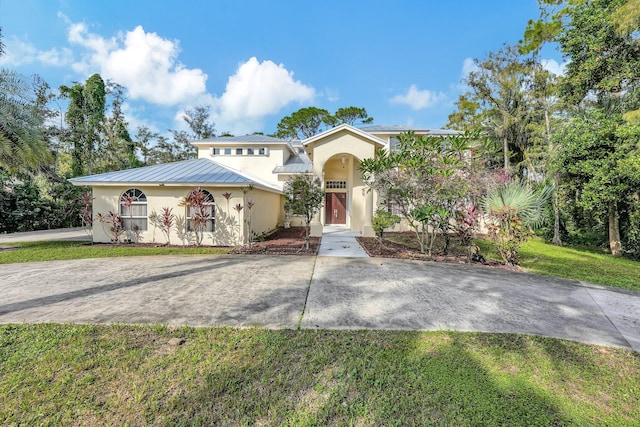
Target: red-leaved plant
[[114, 222], [197, 204]]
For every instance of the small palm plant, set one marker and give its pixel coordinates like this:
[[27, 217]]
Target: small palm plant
[[513, 210]]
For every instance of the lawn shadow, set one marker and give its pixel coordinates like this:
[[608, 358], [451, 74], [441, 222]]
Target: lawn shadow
[[358, 378]]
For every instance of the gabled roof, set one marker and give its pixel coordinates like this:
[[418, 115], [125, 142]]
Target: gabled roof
[[348, 128], [397, 129], [202, 172]]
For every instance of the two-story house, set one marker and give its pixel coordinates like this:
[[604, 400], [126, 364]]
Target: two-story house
[[235, 170]]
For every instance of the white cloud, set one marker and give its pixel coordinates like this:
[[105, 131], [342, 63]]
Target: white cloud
[[147, 66], [19, 52], [418, 99], [332, 95], [257, 89], [552, 66], [144, 63], [468, 66]]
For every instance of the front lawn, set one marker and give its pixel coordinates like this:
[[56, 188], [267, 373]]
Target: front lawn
[[50, 251], [154, 375]]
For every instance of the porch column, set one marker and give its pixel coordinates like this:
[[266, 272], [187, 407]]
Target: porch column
[[367, 229]]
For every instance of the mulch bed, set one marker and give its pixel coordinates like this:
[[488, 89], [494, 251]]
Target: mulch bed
[[391, 249], [284, 241]]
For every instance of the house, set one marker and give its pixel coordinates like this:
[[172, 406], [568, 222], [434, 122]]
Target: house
[[235, 170]]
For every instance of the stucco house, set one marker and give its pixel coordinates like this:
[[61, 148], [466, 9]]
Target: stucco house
[[234, 170]]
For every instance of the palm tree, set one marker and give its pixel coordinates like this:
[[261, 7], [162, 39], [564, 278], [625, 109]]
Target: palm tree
[[512, 211], [22, 145]]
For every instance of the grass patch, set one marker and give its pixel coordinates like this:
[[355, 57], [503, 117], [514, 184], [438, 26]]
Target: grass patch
[[155, 375], [50, 251], [573, 262], [580, 263]]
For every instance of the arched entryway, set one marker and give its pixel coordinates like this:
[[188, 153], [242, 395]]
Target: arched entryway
[[343, 191]]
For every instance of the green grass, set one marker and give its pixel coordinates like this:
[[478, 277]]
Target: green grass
[[50, 251], [127, 375], [573, 262]]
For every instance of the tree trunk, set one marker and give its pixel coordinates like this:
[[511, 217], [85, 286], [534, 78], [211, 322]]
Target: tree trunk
[[556, 220], [505, 149], [615, 243]]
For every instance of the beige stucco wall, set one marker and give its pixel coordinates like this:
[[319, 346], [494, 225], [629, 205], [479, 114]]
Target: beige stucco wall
[[229, 223], [327, 156], [257, 166]]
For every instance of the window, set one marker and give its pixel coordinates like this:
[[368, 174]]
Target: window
[[262, 151], [133, 210], [394, 208], [194, 212], [227, 151], [216, 151], [331, 185], [238, 151], [393, 143], [249, 151]]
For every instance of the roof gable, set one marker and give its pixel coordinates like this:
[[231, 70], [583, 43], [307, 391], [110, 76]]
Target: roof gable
[[348, 128]]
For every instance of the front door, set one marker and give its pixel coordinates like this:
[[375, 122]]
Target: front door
[[335, 208]]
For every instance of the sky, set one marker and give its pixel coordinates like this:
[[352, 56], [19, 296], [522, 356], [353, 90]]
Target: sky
[[254, 62]]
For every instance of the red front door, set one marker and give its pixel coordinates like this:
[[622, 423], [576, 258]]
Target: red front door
[[335, 208]]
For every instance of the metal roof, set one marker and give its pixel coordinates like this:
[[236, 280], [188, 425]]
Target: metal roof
[[403, 128], [299, 163], [253, 139], [188, 172]]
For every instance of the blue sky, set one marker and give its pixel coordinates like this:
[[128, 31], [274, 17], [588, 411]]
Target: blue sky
[[253, 62]]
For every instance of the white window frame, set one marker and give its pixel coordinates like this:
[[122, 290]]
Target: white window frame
[[139, 207], [209, 206]]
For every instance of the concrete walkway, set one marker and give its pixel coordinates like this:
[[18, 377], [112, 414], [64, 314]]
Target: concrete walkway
[[340, 241], [316, 292]]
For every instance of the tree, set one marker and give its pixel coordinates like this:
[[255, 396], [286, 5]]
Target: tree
[[304, 197], [85, 117], [499, 86], [352, 115], [198, 121], [596, 146], [22, 146], [603, 59], [467, 115], [603, 71], [512, 211], [429, 180], [119, 151], [304, 123], [143, 138]]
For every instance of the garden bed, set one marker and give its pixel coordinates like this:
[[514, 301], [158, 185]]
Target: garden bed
[[404, 246], [283, 241]]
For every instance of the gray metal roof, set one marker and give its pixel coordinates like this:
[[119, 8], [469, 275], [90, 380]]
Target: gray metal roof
[[403, 128], [253, 139], [299, 163], [196, 171]]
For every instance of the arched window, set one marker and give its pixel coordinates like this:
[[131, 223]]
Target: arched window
[[200, 210], [133, 210]]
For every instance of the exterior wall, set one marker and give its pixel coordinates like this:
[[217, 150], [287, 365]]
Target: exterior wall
[[258, 166], [326, 155], [267, 213], [229, 223]]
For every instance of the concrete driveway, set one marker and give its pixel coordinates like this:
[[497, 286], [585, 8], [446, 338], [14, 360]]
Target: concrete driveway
[[340, 293]]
